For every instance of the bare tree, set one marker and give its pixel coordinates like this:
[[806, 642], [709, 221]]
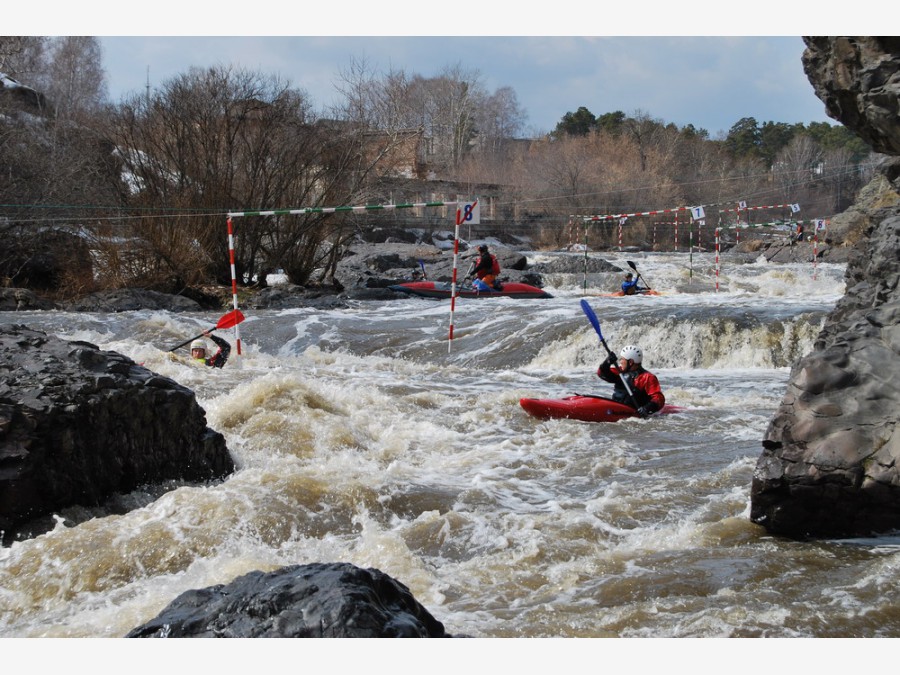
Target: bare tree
[[842, 174], [643, 130], [498, 120], [226, 139], [55, 173], [75, 79], [795, 164]]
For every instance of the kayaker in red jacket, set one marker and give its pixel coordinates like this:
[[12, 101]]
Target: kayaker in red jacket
[[648, 397], [486, 268]]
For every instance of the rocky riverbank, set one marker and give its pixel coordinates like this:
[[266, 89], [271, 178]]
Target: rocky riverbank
[[831, 456]]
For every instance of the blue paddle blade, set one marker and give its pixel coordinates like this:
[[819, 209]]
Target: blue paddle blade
[[591, 317]]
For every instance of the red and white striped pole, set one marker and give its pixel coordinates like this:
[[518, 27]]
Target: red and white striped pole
[[453, 278], [676, 232], [717, 259], [620, 234], [234, 295], [815, 247]]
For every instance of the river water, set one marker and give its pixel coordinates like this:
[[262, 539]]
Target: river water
[[361, 436]]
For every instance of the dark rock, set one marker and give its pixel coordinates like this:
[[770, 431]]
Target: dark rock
[[847, 230], [131, 299], [576, 265], [857, 80], [368, 266], [291, 296], [203, 298], [21, 299], [830, 465], [79, 425], [830, 455], [374, 293], [316, 600]]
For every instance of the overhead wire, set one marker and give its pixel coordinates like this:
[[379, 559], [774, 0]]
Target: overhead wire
[[177, 212]]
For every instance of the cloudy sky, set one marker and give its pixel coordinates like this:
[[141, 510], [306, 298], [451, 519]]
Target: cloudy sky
[[710, 82], [675, 63]]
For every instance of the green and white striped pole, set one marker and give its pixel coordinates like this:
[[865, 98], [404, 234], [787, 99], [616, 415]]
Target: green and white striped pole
[[337, 209], [328, 209]]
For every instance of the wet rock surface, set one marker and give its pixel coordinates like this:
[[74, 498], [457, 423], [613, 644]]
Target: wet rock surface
[[315, 600], [830, 465], [79, 425]]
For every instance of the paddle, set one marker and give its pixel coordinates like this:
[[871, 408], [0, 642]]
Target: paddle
[[233, 318], [424, 273], [471, 269], [596, 324], [634, 267]]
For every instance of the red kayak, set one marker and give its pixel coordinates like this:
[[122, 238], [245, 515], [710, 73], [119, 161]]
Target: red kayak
[[441, 289], [584, 408]]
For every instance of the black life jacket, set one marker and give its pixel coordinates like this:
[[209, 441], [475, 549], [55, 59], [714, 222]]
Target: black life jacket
[[620, 394]]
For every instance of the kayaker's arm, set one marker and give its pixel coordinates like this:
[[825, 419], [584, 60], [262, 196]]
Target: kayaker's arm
[[606, 370]]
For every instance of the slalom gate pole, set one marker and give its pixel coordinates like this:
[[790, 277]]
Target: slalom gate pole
[[676, 233], [815, 248], [717, 258], [453, 282], [620, 234], [584, 284], [234, 295], [690, 253]]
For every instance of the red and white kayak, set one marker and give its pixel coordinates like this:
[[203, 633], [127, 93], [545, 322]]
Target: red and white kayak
[[585, 408], [441, 289]]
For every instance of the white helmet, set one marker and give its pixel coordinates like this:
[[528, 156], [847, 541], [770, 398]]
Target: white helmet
[[198, 344], [632, 353]]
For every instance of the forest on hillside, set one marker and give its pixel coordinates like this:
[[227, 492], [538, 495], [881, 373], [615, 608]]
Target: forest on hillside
[[102, 194]]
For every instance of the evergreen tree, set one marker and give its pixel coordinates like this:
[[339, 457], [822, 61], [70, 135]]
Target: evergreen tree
[[611, 122], [744, 139], [580, 123]]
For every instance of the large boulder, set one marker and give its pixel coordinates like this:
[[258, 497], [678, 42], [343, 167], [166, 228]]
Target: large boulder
[[79, 425], [315, 600], [831, 455], [857, 80]]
